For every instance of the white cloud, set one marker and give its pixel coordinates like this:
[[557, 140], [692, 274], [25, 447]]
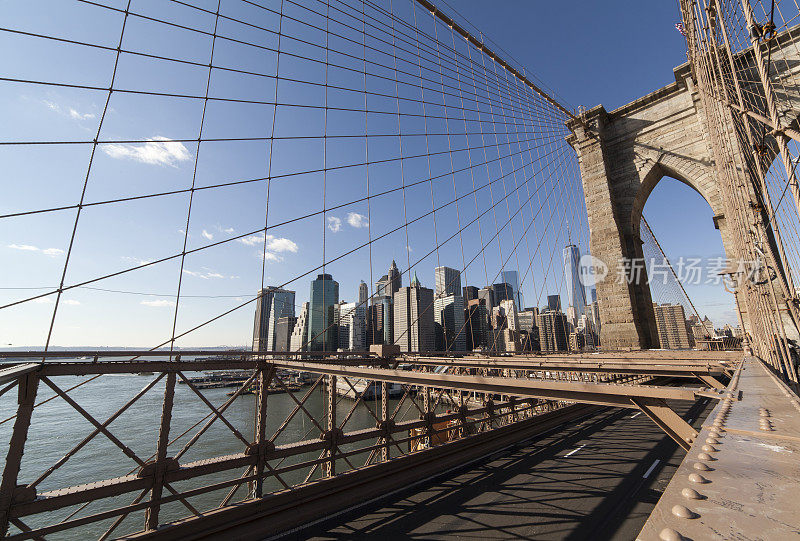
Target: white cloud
[[75, 115], [160, 303], [70, 302], [274, 244], [52, 252], [43, 300], [136, 260], [269, 256], [71, 112], [252, 240], [25, 247], [228, 230], [281, 244], [357, 220], [204, 275], [334, 223], [207, 235], [156, 151]]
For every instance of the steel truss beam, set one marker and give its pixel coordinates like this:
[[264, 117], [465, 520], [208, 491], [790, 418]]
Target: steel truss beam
[[649, 399]]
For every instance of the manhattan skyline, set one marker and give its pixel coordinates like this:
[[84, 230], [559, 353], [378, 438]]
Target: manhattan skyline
[[138, 308]]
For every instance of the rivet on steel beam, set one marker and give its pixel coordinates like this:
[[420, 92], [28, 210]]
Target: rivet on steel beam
[[709, 448], [668, 534], [683, 512], [705, 456], [697, 478], [701, 466], [691, 494], [712, 440]]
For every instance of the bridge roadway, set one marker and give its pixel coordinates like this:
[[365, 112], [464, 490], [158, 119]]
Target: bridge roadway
[[599, 478]]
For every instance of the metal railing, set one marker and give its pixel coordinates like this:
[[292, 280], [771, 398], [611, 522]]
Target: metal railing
[[212, 451]]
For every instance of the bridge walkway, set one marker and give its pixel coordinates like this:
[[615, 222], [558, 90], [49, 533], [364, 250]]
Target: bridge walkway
[[599, 478]]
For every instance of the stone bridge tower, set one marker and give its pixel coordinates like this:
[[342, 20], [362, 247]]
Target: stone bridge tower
[[622, 156]]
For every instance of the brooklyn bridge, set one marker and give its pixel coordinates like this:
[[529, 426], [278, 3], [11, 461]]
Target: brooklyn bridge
[[337, 269]]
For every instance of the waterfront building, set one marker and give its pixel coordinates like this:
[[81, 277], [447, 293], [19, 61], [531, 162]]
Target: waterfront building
[[447, 282], [298, 340], [449, 318], [576, 293], [414, 326], [671, 324], [321, 331]]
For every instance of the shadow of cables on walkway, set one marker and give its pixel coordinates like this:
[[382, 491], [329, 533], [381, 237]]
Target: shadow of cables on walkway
[[589, 480]]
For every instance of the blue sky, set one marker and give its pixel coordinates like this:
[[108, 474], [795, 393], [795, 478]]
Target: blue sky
[[586, 52]]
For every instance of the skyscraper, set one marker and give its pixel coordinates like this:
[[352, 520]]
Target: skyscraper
[[576, 293], [299, 339], [671, 324], [389, 283], [282, 306], [470, 293], [449, 317], [321, 331], [554, 303], [261, 323], [477, 319], [447, 282], [510, 312], [272, 303], [511, 277], [395, 279], [352, 326], [414, 327], [552, 331], [502, 292], [283, 333], [380, 322], [487, 294], [363, 293]]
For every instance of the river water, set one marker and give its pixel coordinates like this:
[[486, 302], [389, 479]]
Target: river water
[[57, 427]]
